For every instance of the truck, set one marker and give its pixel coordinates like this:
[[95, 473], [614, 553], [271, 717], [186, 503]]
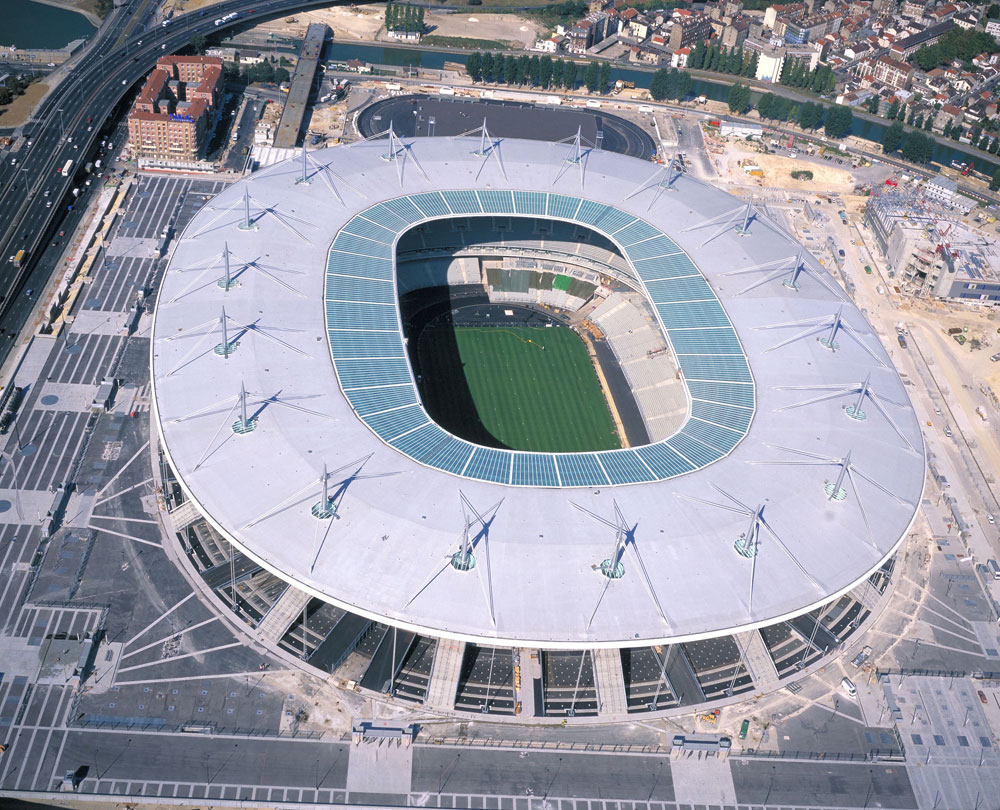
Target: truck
[[861, 657], [19, 258], [902, 341], [64, 171]]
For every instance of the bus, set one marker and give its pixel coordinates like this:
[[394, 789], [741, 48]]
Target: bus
[[64, 171]]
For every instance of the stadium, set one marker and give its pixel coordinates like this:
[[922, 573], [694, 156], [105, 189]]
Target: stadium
[[526, 428]]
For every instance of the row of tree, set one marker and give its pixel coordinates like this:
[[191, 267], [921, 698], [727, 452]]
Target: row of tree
[[404, 17], [836, 120], [722, 60], [819, 80], [915, 146], [537, 71]]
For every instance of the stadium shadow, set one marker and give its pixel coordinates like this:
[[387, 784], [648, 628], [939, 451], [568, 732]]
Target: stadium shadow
[[443, 388]]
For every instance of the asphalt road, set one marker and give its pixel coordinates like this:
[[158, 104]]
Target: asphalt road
[[70, 122]]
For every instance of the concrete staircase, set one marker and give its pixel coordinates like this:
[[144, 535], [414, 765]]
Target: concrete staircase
[[866, 595], [444, 674], [610, 683], [758, 660], [184, 515], [281, 615]]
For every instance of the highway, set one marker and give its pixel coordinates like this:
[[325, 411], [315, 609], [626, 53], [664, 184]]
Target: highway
[[69, 125]]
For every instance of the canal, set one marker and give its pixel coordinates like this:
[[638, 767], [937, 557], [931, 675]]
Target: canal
[[40, 26], [716, 91]]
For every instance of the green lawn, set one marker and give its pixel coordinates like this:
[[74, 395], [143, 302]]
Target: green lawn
[[533, 388]]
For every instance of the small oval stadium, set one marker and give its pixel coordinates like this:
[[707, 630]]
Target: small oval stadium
[[528, 428]]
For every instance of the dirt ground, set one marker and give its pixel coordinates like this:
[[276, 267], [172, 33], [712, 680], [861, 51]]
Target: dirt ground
[[965, 374], [501, 27], [778, 171], [365, 22], [20, 109], [329, 119]]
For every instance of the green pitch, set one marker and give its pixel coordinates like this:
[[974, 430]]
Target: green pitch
[[529, 388]]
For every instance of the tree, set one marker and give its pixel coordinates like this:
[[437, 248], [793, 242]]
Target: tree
[[659, 84], [571, 71], [473, 66], [918, 147], [198, 43], [6, 97], [765, 107], [604, 77], [750, 68], [509, 69], [715, 56], [839, 119], [685, 84], [696, 59], [523, 69], [994, 146], [873, 104], [893, 110], [810, 115], [928, 122], [558, 73], [487, 67], [591, 76], [739, 98], [282, 75], [892, 137], [910, 116], [545, 69], [995, 180], [535, 70]]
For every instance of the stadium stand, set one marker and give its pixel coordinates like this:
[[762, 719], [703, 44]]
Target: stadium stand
[[646, 360]]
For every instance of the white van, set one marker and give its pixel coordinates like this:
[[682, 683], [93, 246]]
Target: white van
[[849, 688], [993, 568]]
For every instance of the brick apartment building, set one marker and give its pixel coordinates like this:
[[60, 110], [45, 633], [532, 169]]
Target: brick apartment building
[[690, 31], [172, 113], [893, 73]]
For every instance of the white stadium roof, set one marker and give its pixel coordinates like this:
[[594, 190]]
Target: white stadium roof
[[769, 449]]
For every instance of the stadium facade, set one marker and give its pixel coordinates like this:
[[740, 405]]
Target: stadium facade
[[743, 543]]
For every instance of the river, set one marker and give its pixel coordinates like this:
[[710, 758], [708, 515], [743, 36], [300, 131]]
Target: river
[[40, 26], [716, 91]]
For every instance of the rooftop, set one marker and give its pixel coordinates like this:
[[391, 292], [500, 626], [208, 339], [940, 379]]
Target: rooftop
[[770, 499]]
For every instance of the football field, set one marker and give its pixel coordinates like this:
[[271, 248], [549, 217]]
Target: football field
[[531, 388]]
